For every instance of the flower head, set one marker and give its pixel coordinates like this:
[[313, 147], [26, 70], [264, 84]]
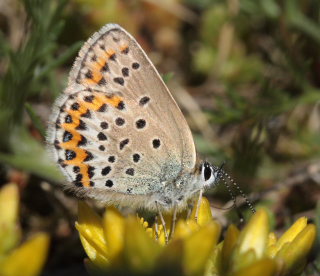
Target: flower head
[[131, 246]]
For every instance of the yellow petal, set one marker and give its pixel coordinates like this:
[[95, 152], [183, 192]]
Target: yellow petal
[[9, 230], [271, 251], [161, 235], [91, 234], [271, 245], [295, 253], [292, 232], [204, 215], [9, 204], [243, 260], [192, 225], [113, 223], [150, 232], [93, 250], [28, 259], [272, 239], [141, 251], [255, 234], [185, 228], [228, 246], [263, 267], [181, 230], [214, 266], [198, 248]]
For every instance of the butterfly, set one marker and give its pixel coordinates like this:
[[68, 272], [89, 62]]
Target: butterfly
[[118, 135]]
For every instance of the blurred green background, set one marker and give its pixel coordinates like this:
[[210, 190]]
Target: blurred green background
[[245, 73]]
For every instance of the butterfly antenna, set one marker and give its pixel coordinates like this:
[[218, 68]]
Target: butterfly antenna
[[238, 189], [221, 174]]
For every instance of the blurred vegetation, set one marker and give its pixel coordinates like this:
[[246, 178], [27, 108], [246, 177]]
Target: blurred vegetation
[[245, 73]]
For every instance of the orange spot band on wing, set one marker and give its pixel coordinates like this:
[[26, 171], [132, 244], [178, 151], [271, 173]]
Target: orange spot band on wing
[[98, 101], [110, 52], [114, 101], [85, 175], [123, 47]]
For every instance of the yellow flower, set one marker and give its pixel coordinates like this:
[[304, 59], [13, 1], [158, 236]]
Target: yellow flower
[[9, 204], [256, 251], [27, 259], [130, 246], [115, 243]]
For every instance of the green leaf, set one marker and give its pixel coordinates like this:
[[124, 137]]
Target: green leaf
[[300, 21], [167, 77], [30, 156], [35, 119], [61, 59]]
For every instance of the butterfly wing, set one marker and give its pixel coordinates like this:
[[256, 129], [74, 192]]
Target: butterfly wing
[[117, 127]]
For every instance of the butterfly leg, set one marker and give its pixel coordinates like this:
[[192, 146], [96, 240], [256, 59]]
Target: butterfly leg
[[156, 226], [163, 222], [189, 210], [198, 205], [174, 219]]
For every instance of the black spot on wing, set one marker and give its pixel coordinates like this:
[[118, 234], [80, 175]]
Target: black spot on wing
[[156, 143], [91, 171], [75, 106], [70, 154], [68, 119], [105, 68], [101, 136], [102, 81], [123, 143], [130, 171], [106, 170], [119, 80], [56, 144], [89, 75], [67, 136], [119, 121], [89, 156], [87, 114], [82, 125], [109, 183], [83, 141], [121, 105], [144, 100], [135, 65], [111, 159], [88, 99], [125, 71], [136, 157], [140, 123], [102, 108], [104, 125]]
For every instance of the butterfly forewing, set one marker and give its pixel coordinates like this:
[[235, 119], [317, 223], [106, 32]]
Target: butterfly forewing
[[117, 127]]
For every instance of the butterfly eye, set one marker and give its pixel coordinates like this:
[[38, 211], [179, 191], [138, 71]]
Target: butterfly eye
[[207, 173]]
